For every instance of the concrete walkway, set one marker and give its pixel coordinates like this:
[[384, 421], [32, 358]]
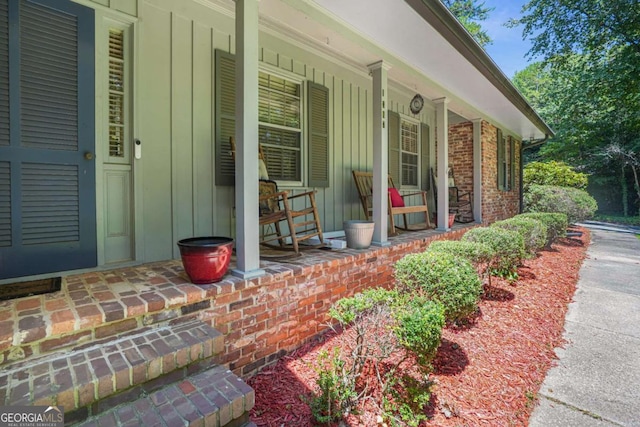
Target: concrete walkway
[[597, 379]]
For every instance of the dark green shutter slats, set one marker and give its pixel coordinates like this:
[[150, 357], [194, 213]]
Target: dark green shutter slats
[[4, 73], [394, 147], [50, 203], [424, 156], [5, 204], [318, 121], [48, 79], [512, 163], [225, 116], [500, 159]]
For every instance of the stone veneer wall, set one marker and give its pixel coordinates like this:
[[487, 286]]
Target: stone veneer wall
[[497, 204], [264, 318]]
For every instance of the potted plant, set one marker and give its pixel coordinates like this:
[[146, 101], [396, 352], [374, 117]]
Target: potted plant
[[206, 259]]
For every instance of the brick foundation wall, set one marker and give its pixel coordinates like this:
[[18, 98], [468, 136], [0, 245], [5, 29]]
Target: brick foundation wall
[[265, 318], [497, 204]]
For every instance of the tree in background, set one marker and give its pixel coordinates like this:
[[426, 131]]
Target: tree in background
[[470, 13], [588, 86]]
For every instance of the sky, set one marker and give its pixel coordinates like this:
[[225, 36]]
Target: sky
[[508, 50]]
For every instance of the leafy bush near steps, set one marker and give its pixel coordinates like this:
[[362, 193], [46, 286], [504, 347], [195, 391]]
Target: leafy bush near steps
[[556, 223], [441, 277], [476, 253], [507, 246], [578, 205], [382, 323], [533, 232]]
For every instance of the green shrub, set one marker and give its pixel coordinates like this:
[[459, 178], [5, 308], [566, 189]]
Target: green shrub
[[578, 205], [507, 245], [556, 224], [419, 324], [533, 231], [553, 173], [335, 396], [441, 277], [474, 252], [382, 323]]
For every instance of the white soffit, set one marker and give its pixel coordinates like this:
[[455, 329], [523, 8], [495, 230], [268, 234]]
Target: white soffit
[[398, 30]]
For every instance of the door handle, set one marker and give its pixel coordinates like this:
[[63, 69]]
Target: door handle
[[88, 155]]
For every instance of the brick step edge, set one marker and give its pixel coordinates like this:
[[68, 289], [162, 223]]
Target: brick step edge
[[79, 378], [215, 397]]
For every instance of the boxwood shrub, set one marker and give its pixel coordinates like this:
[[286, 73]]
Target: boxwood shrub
[[475, 252], [507, 246], [556, 223], [533, 232], [441, 277], [578, 205]]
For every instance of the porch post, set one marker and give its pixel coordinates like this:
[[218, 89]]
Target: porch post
[[380, 153], [442, 154], [477, 170], [246, 191]]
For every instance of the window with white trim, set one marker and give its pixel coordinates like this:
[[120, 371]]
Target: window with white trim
[[280, 126], [410, 154]]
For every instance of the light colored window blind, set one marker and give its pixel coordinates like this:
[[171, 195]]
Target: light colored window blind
[[280, 129], [116, 94], [409, 143]]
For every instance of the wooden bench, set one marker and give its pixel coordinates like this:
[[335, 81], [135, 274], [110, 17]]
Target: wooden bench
[[364, 184]]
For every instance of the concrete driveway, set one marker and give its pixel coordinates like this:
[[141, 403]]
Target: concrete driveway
[[597, 379]]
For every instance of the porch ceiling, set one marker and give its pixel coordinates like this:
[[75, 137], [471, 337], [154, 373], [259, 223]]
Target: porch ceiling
[[361, 32]]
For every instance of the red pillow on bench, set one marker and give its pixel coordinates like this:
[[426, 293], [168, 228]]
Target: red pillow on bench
[[396, 198]]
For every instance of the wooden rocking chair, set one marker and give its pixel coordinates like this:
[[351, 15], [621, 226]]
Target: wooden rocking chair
[[460, 202], [397, 205], [275, 207]]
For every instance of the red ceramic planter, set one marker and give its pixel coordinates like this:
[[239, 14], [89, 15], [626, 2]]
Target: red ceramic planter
[[206, 259]]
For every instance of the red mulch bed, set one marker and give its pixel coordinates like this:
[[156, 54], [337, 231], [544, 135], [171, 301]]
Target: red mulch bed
[[486, 374]]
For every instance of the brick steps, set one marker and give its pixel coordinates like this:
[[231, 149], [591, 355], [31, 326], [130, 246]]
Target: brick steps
[[215, 398], [84, 379]]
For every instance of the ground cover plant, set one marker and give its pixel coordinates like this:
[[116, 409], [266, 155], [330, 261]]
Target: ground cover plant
[[485, 373]]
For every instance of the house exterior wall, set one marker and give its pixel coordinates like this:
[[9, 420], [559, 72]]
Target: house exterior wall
[[176, 119], [497, 204], [461, 155]]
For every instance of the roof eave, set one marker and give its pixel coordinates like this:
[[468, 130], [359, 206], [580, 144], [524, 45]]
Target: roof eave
[[442, 20]]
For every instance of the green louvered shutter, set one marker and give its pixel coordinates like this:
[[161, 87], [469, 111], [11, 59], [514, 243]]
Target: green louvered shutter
[[512, 163], [225, 116], [500, 161], [47, 180], [318, 135], [5, 167], [424, 156], [394, 147]]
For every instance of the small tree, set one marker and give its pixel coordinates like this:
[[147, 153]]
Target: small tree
[[554, 173]]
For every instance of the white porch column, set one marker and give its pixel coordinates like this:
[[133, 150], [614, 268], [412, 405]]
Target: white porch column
[[380, 154], [247, 229], [477, 170], [442, 153]]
